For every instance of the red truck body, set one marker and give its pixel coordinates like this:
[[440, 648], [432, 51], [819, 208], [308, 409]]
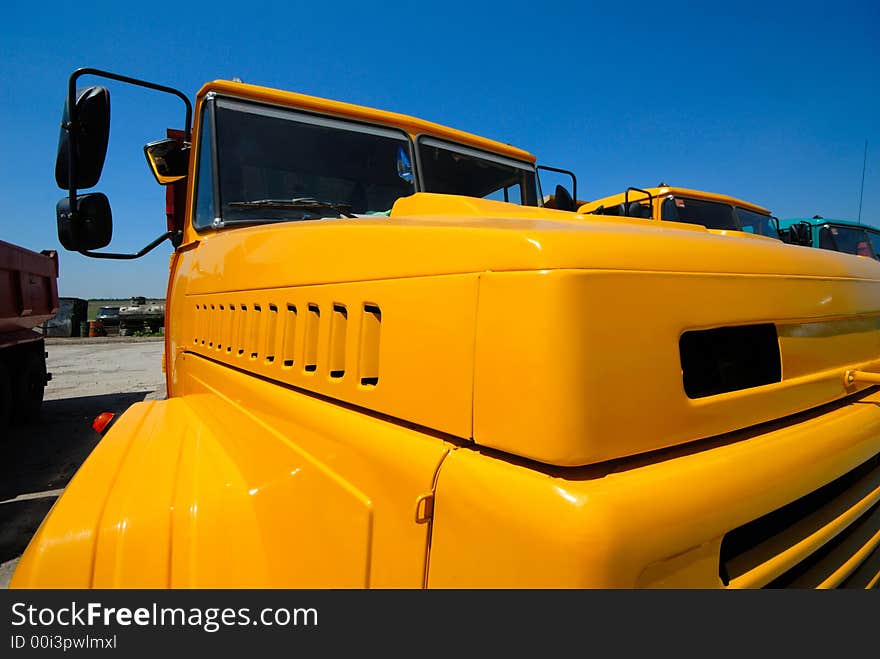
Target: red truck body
[[28, 298]]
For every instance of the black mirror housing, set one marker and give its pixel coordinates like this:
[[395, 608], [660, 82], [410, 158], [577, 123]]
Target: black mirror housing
[[90, 227], [92, 133], [800, 234]]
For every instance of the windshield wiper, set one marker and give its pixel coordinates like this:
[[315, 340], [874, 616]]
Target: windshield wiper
[[297, 203]]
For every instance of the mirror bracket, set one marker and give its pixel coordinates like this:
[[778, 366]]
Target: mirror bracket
[[626, 198], [574, 183], [175, 237]]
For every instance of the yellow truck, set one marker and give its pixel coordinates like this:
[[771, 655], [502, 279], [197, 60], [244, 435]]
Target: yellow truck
[[717, 212], [377, 377]]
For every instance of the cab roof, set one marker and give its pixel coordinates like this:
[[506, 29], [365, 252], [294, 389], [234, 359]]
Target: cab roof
[[412, 125], [819, 221], [663, 191]]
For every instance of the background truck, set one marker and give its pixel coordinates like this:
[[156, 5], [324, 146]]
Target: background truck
[[140, 316], [716, 212], [73, 312], [28, 298], [827, 233], [378, 376]]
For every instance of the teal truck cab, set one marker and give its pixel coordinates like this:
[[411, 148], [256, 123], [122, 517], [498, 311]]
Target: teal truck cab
[[840, 235]]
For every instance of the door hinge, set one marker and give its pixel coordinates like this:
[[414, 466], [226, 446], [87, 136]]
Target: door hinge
[[425, 508]]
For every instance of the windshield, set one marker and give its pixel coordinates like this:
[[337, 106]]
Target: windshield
[[449, 168], [752, 222], [717, 215], [851, 240], [277, 164], [710, 214]]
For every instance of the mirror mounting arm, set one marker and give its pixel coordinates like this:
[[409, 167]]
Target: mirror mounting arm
[[174, 236], [73, 122], [574, 182]]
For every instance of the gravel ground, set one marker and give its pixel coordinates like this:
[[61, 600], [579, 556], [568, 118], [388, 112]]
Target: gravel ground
[[37, 460]]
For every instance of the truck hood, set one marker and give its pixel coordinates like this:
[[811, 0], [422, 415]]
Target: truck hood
[[545, 334]]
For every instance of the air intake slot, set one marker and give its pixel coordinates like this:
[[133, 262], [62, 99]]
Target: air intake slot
[[271, 324], [368, 366], [203, 323], [256, 319], [288, 344], [338, 327], [311, 349], [221, 331], [198, 318], [211, 328], [241, 335], [724, 359]]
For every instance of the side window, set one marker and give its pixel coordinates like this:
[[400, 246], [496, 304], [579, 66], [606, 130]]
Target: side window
[[204, 193], [874, 237], [710, 214]]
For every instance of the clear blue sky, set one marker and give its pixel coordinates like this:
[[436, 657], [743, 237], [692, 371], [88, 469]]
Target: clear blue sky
[[770, 102]]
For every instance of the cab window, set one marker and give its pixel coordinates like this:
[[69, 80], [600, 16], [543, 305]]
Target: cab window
[[449, 168], [710, 214], [874, 239], [274, 164], [850, 240], [752, 222]]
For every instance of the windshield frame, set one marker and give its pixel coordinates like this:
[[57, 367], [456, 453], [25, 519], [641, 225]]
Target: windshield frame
[[208, 109]]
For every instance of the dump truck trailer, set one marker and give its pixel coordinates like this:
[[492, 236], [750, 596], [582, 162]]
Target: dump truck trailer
[[379, 377], [28, 298]]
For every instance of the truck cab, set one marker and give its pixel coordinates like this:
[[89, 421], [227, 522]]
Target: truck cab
[[716, 212], [838, 235], [378, 377]]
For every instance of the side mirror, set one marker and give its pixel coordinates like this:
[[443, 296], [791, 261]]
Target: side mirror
[[91, 227], [168, 160], [800, 234], [91, 122]]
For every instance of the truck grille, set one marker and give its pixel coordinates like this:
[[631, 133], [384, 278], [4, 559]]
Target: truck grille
[[829, 538]]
